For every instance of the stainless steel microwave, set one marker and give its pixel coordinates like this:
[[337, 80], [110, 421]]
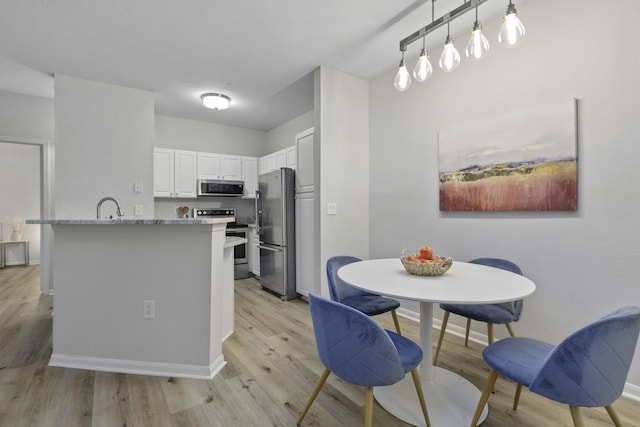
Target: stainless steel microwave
[[220, 187]]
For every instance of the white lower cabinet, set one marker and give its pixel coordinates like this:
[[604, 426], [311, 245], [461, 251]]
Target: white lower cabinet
[[254, 251], [306, 278]]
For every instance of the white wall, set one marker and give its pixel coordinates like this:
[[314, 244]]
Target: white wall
[[194, 135], [584, 263], [283, 136], [104, 143], [344, 167]]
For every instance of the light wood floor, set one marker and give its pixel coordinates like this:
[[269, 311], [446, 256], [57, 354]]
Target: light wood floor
[[272, 368]]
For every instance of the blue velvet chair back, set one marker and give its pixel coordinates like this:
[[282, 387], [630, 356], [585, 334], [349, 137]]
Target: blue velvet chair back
[[589, 368], [338, 289], [353, 346], [515, 307]]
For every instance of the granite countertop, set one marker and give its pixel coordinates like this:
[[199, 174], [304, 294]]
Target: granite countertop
[[131, 221]]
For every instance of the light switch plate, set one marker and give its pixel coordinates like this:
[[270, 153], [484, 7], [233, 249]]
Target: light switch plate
[[332, 209], [138, 187]]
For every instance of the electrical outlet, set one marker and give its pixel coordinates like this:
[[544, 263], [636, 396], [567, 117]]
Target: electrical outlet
[[149, 310], [138, 187], [138, 210]]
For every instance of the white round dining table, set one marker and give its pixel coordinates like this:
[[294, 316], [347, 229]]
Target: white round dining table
[[451, 399]]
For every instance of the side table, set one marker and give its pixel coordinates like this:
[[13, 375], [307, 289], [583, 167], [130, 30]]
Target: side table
[[3, 251]]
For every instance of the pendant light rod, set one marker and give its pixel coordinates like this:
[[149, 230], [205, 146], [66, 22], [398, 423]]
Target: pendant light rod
[[444, 19]]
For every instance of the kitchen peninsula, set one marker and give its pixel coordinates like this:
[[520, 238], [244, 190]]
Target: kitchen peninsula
[[144, 296]]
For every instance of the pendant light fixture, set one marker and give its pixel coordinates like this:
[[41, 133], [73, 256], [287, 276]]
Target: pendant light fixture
[[403, 79], [511, 34], [423, 69], [478, 45], [512, 30], [450, 58], [215, 101]]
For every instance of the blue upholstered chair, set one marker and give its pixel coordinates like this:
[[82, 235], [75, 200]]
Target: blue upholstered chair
[[357, 349], [491, 314], [587, 369], [368, 303]]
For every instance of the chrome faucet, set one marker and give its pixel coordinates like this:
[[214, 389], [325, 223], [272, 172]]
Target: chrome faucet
[[119, 211]]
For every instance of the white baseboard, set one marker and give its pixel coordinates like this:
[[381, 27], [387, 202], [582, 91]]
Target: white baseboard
[[137, 367], [631, 391]]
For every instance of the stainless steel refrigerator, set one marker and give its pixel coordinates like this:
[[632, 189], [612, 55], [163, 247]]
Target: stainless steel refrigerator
[[276, 230]]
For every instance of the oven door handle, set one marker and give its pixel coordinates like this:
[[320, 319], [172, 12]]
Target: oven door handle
[[268, 248]]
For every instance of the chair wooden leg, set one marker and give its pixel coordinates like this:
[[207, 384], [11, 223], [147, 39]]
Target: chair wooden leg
[[423, 405], [516, 398], [466, 334], [510, 329], [445, 320], [395, 321], [575, 416], [613, 416], [491, 381], [315, 392], [368, 407], [490, 332]]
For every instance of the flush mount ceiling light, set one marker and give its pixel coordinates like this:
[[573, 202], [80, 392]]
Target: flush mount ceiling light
[[511, 34], [215, 101]]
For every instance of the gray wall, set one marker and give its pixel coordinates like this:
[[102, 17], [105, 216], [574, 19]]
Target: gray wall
[[104, 143], [584, 263], [284, 135]]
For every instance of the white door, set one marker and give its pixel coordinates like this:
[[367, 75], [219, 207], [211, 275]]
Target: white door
[[306, 280], [231, 167], [185, 173], [162, 172], [208, 166], [304, 161]]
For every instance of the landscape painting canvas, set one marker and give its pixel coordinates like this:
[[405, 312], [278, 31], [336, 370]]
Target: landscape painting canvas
[[519, 162]]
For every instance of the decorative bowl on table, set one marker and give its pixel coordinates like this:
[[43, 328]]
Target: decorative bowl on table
[[436, 266]]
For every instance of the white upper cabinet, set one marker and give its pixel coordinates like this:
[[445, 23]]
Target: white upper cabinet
[[250, 176], [174, 173], [291, 157], [231, 167], [219, 166], [304, 162], [208, 166], [268, 163], [185, 173], [281, 159]]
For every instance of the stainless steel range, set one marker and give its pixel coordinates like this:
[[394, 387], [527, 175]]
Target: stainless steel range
[[240, 252]]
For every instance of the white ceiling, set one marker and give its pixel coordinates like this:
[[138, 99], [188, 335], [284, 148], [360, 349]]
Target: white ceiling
[[260, 53]]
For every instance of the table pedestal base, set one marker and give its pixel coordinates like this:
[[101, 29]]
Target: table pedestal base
[[451, 400]]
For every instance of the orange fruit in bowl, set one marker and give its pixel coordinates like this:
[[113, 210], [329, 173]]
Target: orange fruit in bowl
[[426, 252]]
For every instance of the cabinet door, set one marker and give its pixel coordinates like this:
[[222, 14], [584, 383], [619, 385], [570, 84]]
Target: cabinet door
[[304, 162], [268, 163], [231, 167], [250, 176], [185, 173], [162, 172], [291, 157], [208, 166], [305, 245], [281, 159]]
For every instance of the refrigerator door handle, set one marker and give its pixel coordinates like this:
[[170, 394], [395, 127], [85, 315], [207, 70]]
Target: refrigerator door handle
[[268, 248], [258, 213]]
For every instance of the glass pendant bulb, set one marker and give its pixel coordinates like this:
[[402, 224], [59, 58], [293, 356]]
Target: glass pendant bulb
[[512, 30], [478, 45], [423, 69], [403, 79], [450, 58]]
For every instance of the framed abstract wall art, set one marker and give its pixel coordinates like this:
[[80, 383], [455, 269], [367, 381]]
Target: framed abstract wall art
[[526, 161]]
